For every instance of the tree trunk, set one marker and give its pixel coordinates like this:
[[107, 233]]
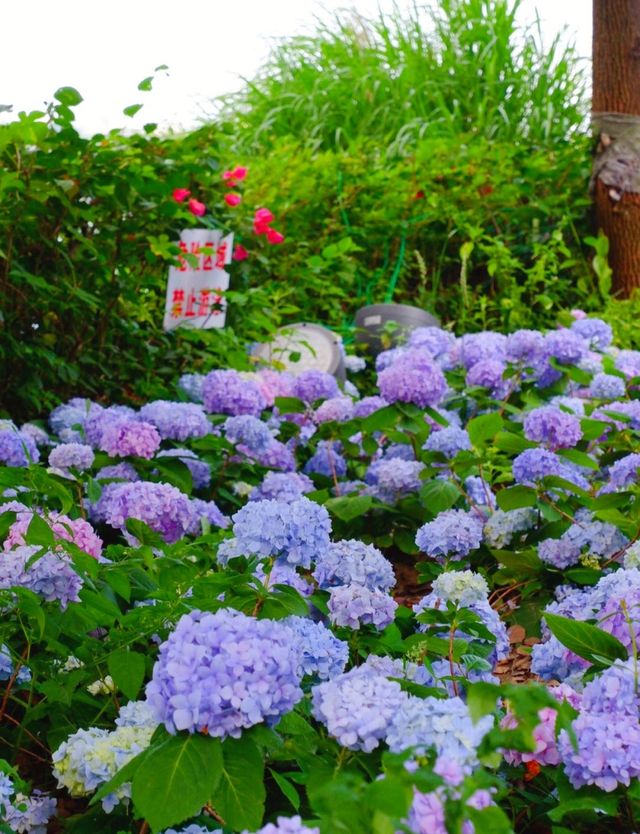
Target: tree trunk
[[616, 119]]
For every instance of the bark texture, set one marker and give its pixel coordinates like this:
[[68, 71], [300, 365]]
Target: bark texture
[[616, 172]]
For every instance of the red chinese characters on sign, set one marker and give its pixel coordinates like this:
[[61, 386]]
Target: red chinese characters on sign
[[204, 257]]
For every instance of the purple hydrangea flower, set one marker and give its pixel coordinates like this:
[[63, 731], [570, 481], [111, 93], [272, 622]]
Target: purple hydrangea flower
[[224, 672], [319, 651], [623, 473], [226, 392], [17, 448], [337, 409], [607, 387], [560, 553], [191, 384], [276, 455], [310, 386], [452, 534], [567, 346], [596, 332], [73, 413], [614, 690], [295, 532], [122, 438], [7, 670], [327, 460], [354, 605], [350, 562], [161, 507], [282, 486], [534, 464], [98, 420], [630, 409], [479, 492], [50, 575], [30, 813], [553, 427], [206, 511], [480, 347], [357, 707], [489, 374], [124, 471], [524, 347], [424, 386], [628, 363], [249, 432], [176, 421], [71, 455], [36, 433], [368, 405], [286, 825], [434, 339], [448, 441], [391, 479]]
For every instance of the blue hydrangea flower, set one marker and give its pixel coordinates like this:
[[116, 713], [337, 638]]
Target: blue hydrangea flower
[[524, 347], [489, 374], [227, 392], [452, 534], [423, 386], [391, 479], [224, 672], [560, 553], [479, 492], [337, 409], [594, 331], [205, 511], [17, 448], [448, 441], [368, 405], [282, 486], [30, 814], [434, 339], [607, 387], [352, 606], [51, 575], [247, 430], [327, 460], [357, 707], [191, 384], [296, 532], [286, 825], [628, 363], [319, 651], [7, 669], [481, 347], [534, 464], [124, 471], [176, 421], [623, 473], [123, 437], [351, 561], [162, 507]]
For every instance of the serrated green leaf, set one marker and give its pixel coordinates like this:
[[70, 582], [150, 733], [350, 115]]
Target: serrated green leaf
[[586, 640], [240, 795]]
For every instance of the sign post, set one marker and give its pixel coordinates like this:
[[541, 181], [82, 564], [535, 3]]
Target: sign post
[[195, 290]]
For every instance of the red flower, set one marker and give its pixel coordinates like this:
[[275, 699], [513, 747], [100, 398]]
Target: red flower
[[533, 769], [181, 194], [196, 207], [263, 215], [419, 195], [240, 253], [232, 199], [235, 176], [274, 237]]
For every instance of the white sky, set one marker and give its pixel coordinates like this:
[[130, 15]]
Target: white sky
[[105, 48]]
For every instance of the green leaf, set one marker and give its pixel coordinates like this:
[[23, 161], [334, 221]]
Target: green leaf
[[176, 779], [381, 419], [482, 698], [289, 405], [578, 457], [175, 472], [127, 670], [132, 109], [484, 428], [586, 640], [68, 96], [491, 819], [39, 532], [287, 789], [146, 83], [240, 795], [516, 497], [507, 441], [593, 429], [601, 803], [347, 508], [438, 495]]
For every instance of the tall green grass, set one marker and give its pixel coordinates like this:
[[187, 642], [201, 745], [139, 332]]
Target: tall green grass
[[461, 67]]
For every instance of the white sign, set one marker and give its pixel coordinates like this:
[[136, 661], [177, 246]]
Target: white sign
[[194, 289]]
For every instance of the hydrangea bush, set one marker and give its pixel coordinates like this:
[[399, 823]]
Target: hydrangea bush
[[291, 605]]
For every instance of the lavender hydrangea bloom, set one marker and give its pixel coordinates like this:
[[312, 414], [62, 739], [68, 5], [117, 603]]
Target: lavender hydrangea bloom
[[446, 725], [594, 331], [122, 438], [434, 339], [194, 828], [176, 421], [614, 690], [191, 384], [524, 347], [553, 427], [319, 651], [282, 573], [224, 672], [51, 575], [357, 707], [354, 605], [630, 409], [207, 511], [389, 480], [30, 813], [628, 363], [452, 534], [368, 405], [162, 507], [199, 469], [449, 441], [534, 464], [282, 486], [480, 347], [296, 532], [424, 386], [310, 386], [350, 562], [560, 553], [124, 471], [286, 825], [567, 346], [489, 374], [608, 751], [398, 451], [337, 409], [73, 413], [100, 418], [607, 387], [226, 392], [36, 433], [276, 456], [71, 455], [327, 460], [248, 431], [479, 492], [623, 473], [17, 448]]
